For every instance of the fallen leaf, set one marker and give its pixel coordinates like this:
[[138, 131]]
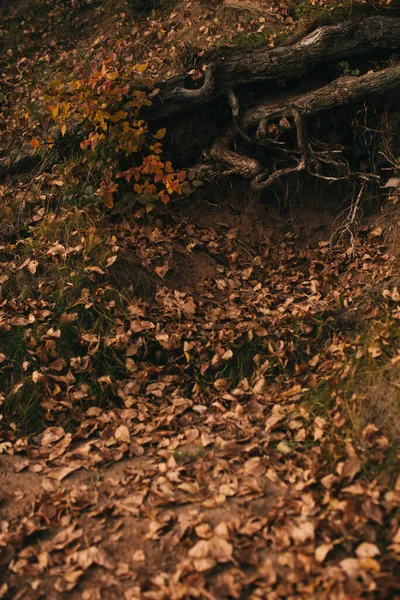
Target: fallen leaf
[[122, 434], [367, 550]]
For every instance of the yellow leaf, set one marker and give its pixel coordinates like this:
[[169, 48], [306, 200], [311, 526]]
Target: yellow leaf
[[141, 68], [121, 114], [63, 129], [160, 133]]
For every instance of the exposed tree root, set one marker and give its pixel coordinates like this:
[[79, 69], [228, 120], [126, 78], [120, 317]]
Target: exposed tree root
[[349, 220], [277, 65], [299, 108], [341, 91], [237, 163], [258, 144], [265, 179]]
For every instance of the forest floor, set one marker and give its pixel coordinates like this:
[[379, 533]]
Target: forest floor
[[201, 402]]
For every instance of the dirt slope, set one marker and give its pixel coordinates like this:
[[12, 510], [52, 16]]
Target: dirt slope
[[200, 401]]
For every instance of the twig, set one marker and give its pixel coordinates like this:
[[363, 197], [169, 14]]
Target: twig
[[350, 220]]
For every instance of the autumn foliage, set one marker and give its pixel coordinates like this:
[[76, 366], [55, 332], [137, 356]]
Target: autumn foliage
[[102, 102], [202, 401]]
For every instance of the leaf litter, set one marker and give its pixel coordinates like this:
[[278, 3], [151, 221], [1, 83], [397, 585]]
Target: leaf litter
[[198, 440], [209, 476]]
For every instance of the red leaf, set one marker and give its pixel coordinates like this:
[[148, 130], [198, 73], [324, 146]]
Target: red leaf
[[165, 198], [181, 175]]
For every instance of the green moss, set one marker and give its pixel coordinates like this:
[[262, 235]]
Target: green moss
[[249, 40], [329, 14]]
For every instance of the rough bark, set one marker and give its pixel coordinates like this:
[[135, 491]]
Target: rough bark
[[276, 65], [341, 91]]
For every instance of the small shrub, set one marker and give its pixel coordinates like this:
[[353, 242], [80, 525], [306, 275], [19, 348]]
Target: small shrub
[[100, 102]]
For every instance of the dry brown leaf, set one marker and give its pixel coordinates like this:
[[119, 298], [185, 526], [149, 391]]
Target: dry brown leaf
[[221, 549], [122, 434], [204, 531], [139, 556], [200, 550], [92, 555], [351, 467], [322, 551], [367, 550], [302, 532], [204, 564], [351, 566], [61, 472]]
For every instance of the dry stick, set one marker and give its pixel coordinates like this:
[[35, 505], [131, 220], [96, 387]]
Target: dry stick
[[235, 108], [234, 104], [346, 226]]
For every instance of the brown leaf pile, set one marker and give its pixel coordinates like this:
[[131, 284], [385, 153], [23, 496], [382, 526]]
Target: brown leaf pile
[[224, 479]]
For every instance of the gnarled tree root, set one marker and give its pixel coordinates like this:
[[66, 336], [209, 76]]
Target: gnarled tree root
[[333, 43], [299, 107], [228, 73]]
